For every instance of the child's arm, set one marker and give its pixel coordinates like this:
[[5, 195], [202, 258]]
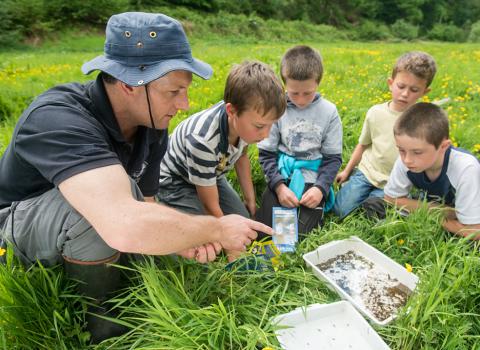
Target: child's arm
[[352, 163], [456, 227], [244, 176], [268, 161], [450, 223], [208, 195], [326, 175], [404, 202]]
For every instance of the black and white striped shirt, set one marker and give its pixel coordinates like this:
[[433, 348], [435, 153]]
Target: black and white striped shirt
[[198, 150]]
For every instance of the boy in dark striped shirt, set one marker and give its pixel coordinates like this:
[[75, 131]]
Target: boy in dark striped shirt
[[206, 146]]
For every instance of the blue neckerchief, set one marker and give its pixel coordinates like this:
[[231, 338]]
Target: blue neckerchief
[[291, 168]]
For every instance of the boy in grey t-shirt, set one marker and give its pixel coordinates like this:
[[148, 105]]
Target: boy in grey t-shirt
[[304, 146]]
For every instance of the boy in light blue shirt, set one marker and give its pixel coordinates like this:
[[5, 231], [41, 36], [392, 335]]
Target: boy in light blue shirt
[[302, 154]]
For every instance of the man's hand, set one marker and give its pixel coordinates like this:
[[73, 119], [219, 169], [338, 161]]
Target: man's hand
[[286, 197], [312, 198], [237, 232], [202, 254], [342, 177]]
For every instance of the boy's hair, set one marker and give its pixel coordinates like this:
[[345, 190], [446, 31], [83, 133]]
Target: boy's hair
[[418, 63], [253, 84], [424, 121], [301, 63]]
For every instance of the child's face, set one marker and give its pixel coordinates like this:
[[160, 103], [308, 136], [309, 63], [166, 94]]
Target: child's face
[[418, 155], [250, 125], [301, 92], [406, 89]]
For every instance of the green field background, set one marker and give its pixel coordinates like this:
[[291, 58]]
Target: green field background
[[181, 305]]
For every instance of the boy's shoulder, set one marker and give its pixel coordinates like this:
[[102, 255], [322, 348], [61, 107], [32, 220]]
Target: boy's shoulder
[[198, 120], [460, 160], [381, 110]]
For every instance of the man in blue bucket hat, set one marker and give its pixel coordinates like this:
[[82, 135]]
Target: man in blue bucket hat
[[78, 178]]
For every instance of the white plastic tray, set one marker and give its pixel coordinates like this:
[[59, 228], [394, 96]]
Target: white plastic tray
[[335, 248], [336, 326]]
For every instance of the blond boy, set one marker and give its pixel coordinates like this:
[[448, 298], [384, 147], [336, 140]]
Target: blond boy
[[375, 152]]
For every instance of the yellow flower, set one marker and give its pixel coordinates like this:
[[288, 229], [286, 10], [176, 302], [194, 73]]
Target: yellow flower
[[400, 242], [408, 267], [2, 251]]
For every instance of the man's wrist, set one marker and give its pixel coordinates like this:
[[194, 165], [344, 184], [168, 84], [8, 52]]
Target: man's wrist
[[214, 229]]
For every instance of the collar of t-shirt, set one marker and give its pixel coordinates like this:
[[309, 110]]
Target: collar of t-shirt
[[292, 105], [223, 145], [438, 189], [103, 109]]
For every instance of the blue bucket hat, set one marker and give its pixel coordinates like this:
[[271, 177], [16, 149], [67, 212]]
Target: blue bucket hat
[[142, 47]]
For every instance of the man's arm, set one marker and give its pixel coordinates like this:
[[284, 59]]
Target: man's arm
[[244, 176], [103, 196]]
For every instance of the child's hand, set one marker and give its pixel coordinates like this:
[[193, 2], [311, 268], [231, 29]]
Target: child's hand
[[286, 197], [342, 177], [251, 206], [312, 198]]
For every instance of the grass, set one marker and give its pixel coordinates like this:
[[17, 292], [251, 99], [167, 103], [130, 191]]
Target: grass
[[178, 304]]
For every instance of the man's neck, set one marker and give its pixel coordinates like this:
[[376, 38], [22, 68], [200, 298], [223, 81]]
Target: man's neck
[[121, 113]]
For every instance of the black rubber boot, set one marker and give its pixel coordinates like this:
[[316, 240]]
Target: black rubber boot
[[97, 282]]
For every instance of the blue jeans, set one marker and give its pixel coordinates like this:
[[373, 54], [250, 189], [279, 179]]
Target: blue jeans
[[353, 193]]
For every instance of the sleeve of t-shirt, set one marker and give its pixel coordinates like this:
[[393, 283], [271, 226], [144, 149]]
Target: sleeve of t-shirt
[[201, 161], [467, 194], [366, 135], [60, 142], [398, 184], [332, 142], [271, 143], [148, 183]]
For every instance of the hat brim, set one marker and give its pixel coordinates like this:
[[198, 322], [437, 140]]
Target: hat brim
[[141, 75]]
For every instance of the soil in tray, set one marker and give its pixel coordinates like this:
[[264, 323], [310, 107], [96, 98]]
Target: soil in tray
[[368, 284]]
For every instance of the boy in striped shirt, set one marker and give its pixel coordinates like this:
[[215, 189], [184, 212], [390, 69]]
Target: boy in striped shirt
[[206, 146]]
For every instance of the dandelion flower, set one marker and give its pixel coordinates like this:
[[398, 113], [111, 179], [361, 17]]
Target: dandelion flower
[[2, 251], [408, 267]]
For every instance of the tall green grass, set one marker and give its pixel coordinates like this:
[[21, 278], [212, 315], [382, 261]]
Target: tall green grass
[[173, 303]]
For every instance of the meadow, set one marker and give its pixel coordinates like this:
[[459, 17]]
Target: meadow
[[178, 304]]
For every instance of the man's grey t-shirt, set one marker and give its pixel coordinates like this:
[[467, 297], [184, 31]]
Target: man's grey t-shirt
[[71, 129]]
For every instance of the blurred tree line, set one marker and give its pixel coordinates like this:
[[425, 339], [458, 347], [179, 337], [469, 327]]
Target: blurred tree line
[[448, 20]]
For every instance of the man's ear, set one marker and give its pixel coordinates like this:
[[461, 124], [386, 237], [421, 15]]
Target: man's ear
[[126, 89]]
